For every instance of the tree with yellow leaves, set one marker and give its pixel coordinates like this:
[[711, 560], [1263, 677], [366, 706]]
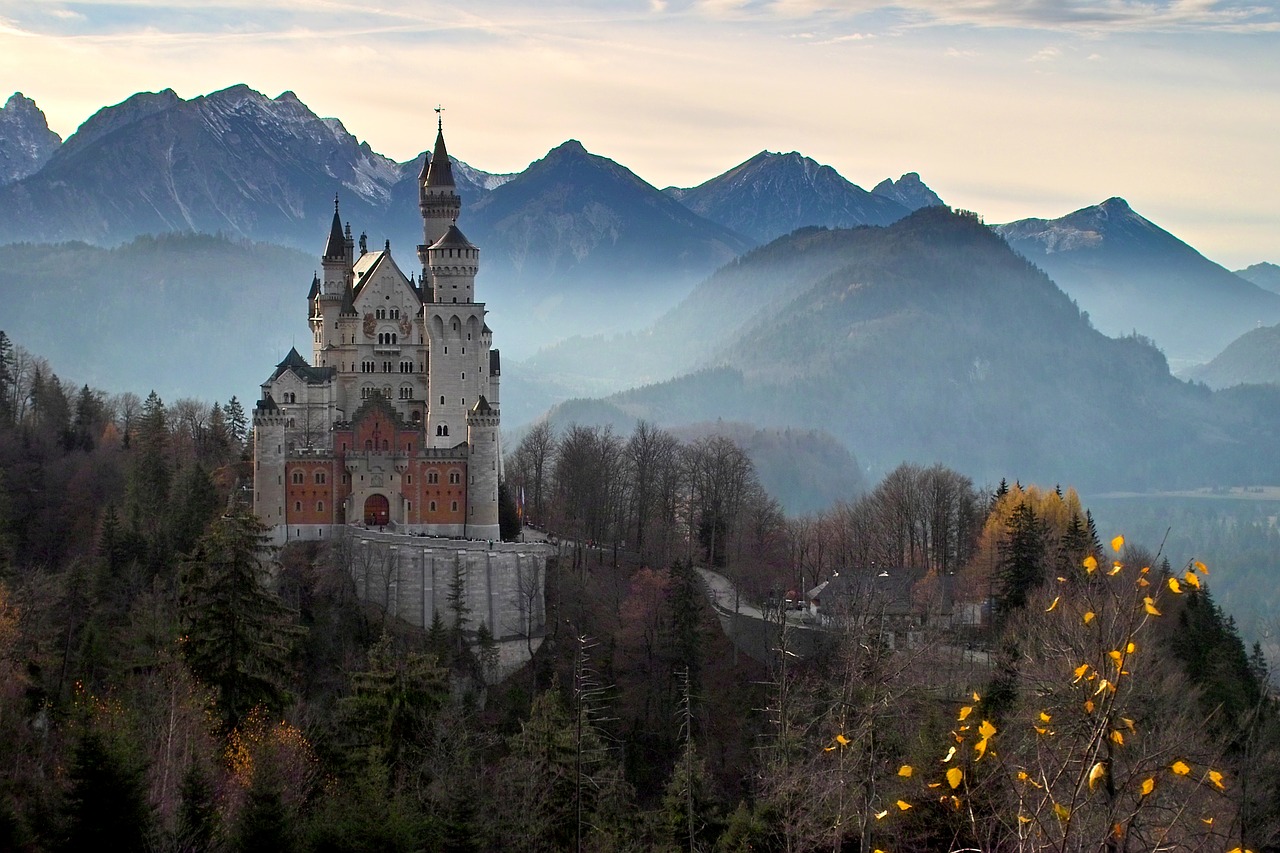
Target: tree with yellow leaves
[[1098, 747]]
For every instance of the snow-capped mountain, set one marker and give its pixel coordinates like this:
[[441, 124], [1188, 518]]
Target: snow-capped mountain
[[26, 142]]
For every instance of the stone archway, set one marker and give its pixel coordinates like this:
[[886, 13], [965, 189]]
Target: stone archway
[[377, 511]]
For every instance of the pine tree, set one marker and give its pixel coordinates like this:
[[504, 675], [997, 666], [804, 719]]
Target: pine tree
[[149, 471], [237, 422], [6, 381], [1021, 566], [107, 799], [236, 630], [193, 506]]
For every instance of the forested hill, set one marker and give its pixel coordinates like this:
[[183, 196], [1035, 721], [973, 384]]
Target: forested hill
[[185, 314], [930, 340]]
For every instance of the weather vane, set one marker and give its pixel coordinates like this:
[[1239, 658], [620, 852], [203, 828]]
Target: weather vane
[[439, 118]]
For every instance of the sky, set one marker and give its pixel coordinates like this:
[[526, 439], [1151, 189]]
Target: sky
[[1011, 108]]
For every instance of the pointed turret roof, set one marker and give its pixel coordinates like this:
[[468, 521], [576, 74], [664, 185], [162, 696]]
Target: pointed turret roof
[[337, 245], [296, 363], [453, 239], [439, 170], [315, 288]]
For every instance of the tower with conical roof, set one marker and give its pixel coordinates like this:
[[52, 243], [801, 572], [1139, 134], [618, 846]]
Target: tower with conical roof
[[438, 198]]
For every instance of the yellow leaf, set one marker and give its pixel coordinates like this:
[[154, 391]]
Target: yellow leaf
[[976, 697], [1061, 811], [934, 785], [1117, 738], [951, 753], [1088, 617], [965, 712], [1023, 819], [1192, 580], [1216, 778], [955, 803], [1096, 773], [980, 749], [954, 777], [1200, 567], [1088, 706], [1150, 606], [1180, 768], [882, 815], [1131, 648], [1143, 582], [1117, 831], [1128, 722], [986, 729], [828, 749], [1175, 587], [1044, 718], [1051, 606], [1116, 656], [903, 805], [1148, 785], [1080, 671], [1061, 579], [905, 770], [1042, 730], [1145, 569], [1090, 564], [1207, 821], [842, 740], [1117, 544], [1104, 685]]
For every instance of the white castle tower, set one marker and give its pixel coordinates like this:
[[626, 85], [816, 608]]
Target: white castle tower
[[394, 423]]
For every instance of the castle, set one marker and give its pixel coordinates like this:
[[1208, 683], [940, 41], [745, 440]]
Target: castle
[[394, 422]]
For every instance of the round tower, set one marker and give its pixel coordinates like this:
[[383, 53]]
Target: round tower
[[482, 471]]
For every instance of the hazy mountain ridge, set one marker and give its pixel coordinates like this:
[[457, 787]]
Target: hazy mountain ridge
[[1130, 274], [937, 343], [1253, 358], [1265, 275], [199, 316], [772, 194], [26, 142]]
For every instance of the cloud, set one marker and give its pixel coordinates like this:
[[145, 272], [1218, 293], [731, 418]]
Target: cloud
[[1046, 54]]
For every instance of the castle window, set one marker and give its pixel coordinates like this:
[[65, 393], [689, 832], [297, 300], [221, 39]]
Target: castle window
[[320, 478], [297, 477], [464, 374], [433, 506], [453, 506], [297, 506], [319, 506], [441, 403], [408, 478], [454, 478]]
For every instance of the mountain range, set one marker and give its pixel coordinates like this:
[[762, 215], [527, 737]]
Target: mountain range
[[571, 239], [931, 340]]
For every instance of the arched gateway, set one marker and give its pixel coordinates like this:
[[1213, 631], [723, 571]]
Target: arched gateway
[[377, 511]]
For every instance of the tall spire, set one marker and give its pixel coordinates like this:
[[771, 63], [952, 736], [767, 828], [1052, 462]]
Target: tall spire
[[440, 172], [337, 245]]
